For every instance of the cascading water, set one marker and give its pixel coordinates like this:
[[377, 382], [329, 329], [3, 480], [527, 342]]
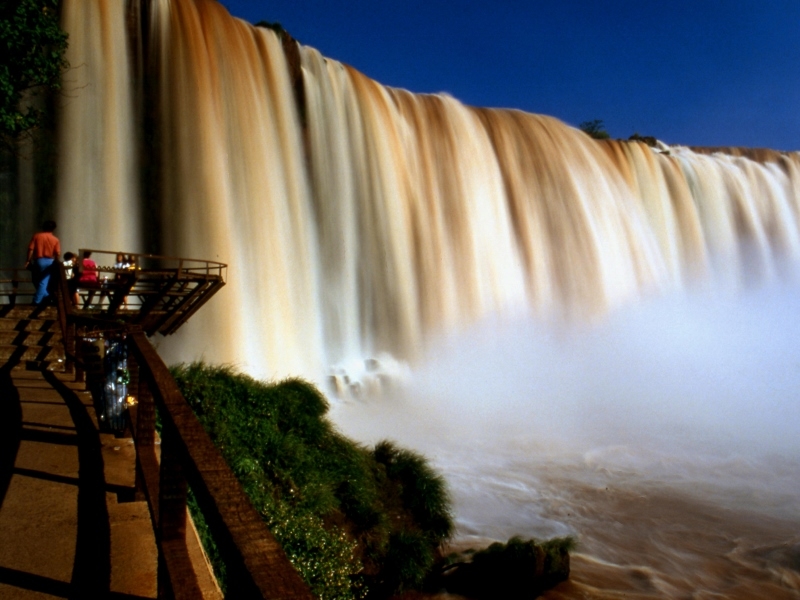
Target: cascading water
[[97, 192], [378, 217], [360, 221]]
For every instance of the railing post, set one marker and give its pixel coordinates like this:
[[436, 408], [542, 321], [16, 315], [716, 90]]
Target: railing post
[[145, 411], [176, 577], [80, 362], [144, 425], [65, 308], [172, 489]]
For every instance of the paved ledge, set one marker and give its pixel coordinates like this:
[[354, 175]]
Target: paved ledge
[[68, 525]]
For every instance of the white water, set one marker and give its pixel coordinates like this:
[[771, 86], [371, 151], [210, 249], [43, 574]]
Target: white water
[[635, 435]]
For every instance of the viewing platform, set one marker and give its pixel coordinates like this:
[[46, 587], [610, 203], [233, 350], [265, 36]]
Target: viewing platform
[[89, 509], [156, 293]]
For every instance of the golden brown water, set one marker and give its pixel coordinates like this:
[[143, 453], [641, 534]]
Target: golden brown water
[[373, 222], [374, 218], [679, 529], [675, 545]]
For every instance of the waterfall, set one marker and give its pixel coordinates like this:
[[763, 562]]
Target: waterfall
[[97, 192], [359, 219]]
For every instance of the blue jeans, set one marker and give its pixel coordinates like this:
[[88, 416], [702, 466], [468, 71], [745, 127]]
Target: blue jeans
[[41, 277]]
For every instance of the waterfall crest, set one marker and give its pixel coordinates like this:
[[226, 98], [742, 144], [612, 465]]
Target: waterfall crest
[[365, 219]]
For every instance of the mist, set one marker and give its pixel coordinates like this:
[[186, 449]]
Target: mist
[[693, 391]]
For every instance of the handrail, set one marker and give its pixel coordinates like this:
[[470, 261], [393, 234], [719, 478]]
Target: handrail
[[155, 256], [257, 565], [138, 259], [10, 280], [65, 308]]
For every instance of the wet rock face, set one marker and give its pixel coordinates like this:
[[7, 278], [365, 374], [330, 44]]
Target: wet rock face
[[783, 556], [293, 62]]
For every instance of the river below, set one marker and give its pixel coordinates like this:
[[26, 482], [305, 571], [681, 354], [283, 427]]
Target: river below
[[667, 441]]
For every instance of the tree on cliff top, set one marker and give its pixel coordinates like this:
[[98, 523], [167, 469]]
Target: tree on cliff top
[[32, 47], [594, 129]]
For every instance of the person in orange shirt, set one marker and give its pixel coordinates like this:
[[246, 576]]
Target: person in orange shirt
[[43, 250]]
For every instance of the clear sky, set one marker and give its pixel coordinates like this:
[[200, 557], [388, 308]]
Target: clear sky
[[695, 72]]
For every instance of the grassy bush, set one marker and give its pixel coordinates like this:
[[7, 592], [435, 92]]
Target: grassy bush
[[355, 522], [595, 129], [517, 569]]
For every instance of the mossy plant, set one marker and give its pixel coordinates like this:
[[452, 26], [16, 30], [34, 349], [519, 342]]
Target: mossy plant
[[356, 522], [595, 129], [518, 569]]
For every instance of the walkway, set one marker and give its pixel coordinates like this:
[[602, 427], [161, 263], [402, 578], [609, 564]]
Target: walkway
[[64, 532], [69, 524]]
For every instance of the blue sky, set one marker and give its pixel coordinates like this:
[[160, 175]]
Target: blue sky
[[702, 72]]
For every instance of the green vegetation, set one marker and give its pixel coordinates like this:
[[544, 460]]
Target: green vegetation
[[594, 129], [518, 569], [32, 47], [645, 139], [276, 27], [355, 522]]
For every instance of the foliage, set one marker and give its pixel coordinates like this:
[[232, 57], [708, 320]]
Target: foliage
[[594, 129], [355, 523], [32, 47], [276, 27], [517, 569], [416, 498], [209, 545], [421, 490], [645, 139], [517, 552]]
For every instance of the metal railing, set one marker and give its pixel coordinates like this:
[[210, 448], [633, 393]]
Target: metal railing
[[64, 305], [257, 566], [106, 259], [15, 283]]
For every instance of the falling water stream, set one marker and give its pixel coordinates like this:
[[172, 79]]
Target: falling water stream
[[593, 338]]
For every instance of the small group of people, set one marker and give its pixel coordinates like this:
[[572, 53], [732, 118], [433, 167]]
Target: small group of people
[[44, 250], [86, 273], [125, 261]]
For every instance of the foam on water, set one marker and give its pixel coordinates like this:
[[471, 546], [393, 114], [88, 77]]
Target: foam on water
[[686, 401]]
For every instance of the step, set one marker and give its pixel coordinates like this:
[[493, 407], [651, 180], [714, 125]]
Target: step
[[55, 365], [31, 353], [29, 337], [134, 554], [25, 379], [15, 324], [28, 311]]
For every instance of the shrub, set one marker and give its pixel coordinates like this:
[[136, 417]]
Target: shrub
[[33, 60], [594, 129], [355, 522], [517, 569]]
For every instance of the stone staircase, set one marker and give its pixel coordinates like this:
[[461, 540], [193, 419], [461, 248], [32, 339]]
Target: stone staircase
[[30, 337], [69, 522], [68, 525]]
